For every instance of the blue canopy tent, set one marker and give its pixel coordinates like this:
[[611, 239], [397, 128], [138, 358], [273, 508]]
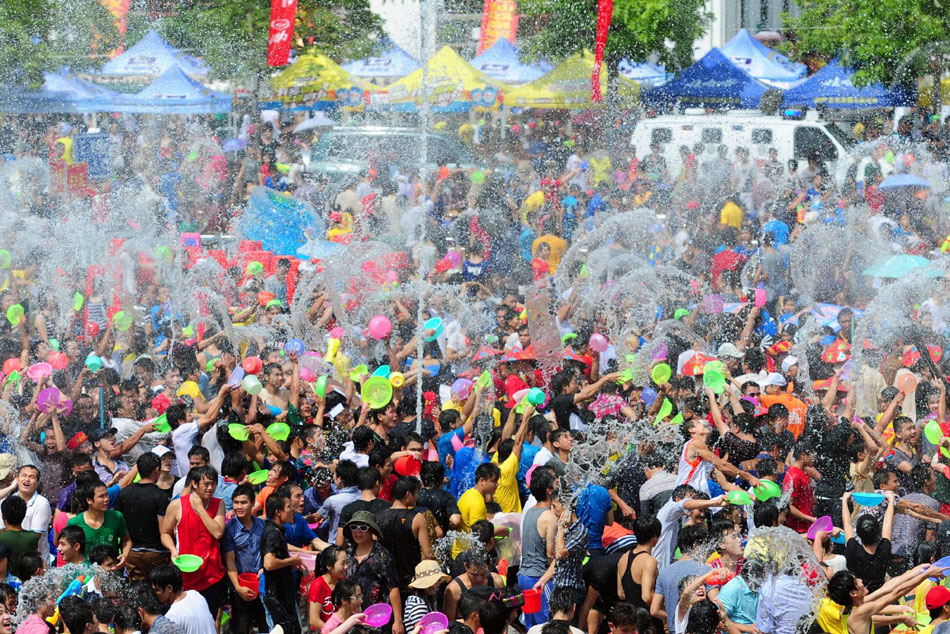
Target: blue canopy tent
[[761, 62], [832, 87], [391, 63], [174, 92], [149, 57], [501, 63], [645, 73], [63, 92], [713, 81]]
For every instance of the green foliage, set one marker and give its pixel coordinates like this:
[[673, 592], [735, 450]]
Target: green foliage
[[231, 35], [876, 36], [638, 29]]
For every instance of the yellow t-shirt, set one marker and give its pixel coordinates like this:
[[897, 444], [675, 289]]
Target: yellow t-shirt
[[472, 508], [832, 619], [507, 492], [731, 215], [190, 388]]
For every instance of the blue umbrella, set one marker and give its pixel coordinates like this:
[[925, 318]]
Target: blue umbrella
[[904, 180], [896, 266]]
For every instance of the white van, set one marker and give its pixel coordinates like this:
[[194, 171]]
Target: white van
[[792, 138]]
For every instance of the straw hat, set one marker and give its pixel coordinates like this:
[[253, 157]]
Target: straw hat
[[428, 573], [7, 462]]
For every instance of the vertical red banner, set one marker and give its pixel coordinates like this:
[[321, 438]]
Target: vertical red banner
[[499, 19], [605, 12], [282, 14]]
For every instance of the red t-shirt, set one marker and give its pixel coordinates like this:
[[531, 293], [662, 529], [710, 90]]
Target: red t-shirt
[[320, 593], [803, 496], [725, 260]]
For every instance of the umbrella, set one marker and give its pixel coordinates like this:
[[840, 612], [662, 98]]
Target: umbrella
[[904, 180], [896, 266], [484, 352], [692, 363], [318, 120]]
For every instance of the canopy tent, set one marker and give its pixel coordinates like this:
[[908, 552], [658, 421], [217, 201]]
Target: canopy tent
[[643, 73], [392, 62], [455, 87], [712, 81], [567, 86], [63, 92], [832, 87], [501, 63], [761, 62], [150, 57], [315, 82], [174, 92]]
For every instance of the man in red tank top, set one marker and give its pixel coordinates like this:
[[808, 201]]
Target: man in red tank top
[[199, 519]]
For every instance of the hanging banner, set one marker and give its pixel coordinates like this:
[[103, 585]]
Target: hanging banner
[[93, 150], [119, 10], [499, 19], [282, 15], [605, 12]]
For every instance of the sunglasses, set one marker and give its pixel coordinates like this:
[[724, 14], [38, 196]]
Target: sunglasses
[[359, 528]]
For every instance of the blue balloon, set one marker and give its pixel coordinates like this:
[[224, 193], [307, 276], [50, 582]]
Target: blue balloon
[[648, 395], [295, 346]]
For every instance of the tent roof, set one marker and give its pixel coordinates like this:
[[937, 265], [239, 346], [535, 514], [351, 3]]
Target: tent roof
[[712, 81], [500, 62], [759, 61], [63, 92], [152, 56], [317, 82], [391, 62], [832, 87], [566, 86], [174, 92], [643, 72], [454, 84]]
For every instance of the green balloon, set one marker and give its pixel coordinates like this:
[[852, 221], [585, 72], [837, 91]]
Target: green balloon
[[54, 344], [15, 314], [5, 259], [163, 252], [933, 432], [78, 300], [661, 373]]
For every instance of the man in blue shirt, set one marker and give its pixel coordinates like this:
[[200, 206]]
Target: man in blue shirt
[[241, 547], [595, 510]]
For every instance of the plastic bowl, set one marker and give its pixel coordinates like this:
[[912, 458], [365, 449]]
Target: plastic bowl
[[377, 391], [867, 499], [258, 477], [822, 524], [278, 431], [378, 614], [188, 563], [433, 622], [238, 431], [767, 490], [739, 498]]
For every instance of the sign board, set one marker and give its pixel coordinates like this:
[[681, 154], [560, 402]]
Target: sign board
[[93, 150]]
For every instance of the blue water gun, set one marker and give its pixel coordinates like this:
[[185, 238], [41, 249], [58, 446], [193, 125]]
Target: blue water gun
[[74, 589]]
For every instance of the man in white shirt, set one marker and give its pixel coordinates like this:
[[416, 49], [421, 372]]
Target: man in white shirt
[[186, 429], [38, 511], [188, 608]]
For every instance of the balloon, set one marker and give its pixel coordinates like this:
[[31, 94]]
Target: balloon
[[78, 300], [92, 329], [462, 389], [5, 259], [536, 396], [455, 258], [337, 332], [477, 177], [380, 327], [933, 432], [58, 360], [598, 342], [15, 314], [295, 347], [47, 399], [121, 321], [251, 385], [648, 395], [661, 373], [665, 410], [252, 365], [254, 268], [94, 363], [907, 382], [11, 365], [321, 387]]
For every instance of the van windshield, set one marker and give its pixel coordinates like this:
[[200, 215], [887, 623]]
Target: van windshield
[[840, 136]]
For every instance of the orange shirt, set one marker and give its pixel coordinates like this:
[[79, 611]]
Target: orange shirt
[[796, 410]]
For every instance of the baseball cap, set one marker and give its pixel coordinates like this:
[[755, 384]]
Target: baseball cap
[[773, 378], [98, 434], [788, 362], [937, 597], [729, 350], [161, 450]]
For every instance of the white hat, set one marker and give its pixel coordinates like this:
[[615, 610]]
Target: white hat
[[788, 362], [773, 378], [729, 350], [161, 450]]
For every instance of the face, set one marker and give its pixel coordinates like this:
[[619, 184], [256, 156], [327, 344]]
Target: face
[[69, 551], [274, 477], [205, 488], [242, 506], [100, 500], [414, 445], [106, 443], [477, 574], [164, 594], [565, 442], [167, 461], [892, 483], [361, 532], [110, 565], [491, 485], [356, 601], [731, 543], [296, 500], [6, 620], [196, 461], [339, 566], [28, 480], [172, 380], [287, 514], [386, 469]]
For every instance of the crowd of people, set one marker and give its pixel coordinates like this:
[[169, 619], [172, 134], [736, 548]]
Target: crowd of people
[[580, 389]]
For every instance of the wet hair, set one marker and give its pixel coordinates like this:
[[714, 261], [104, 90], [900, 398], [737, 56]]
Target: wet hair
[[766, 467], [127, 619], [176, 414], [432, 474], [348, 472], [28, 564], [74, 536], [868, 530], [404, 486], [840, 587], [925, 553], [233, 465], [101, 553], [274, 504], [362, 438], [76, 614], [368, 478], [146, 598], [148, 463], [284, 469], [919, 475], [245, 490], [720, 529], [484, 531], [104, 609], [646, 528], [623, 613], [692, 536], [487, 471], [196, 475], [556, 627], [683, 491], [164, 575], [881, 476], [13, 510], [703, 618], [200, 452], [493, 617], [765, 514], [379, 456], [469, 603], [542, 479], [345, 589]]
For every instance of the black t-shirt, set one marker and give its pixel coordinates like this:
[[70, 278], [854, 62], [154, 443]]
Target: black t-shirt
[[397, 537], [142, 505], [867, 567], [600, 573], [441, 503], [563, 407], [279, 583], [373, 506]]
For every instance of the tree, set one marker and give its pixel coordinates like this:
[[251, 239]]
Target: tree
[[231, 35], [877, 37], [42, 35], [638, 29]]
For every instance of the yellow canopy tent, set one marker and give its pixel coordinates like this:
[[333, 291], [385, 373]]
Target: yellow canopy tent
[[454, 84], [567, 86], [315, 82], [925, 91]]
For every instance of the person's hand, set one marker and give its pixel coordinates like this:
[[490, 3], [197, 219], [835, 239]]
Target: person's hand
[[627, 511], [174, 553], [538, 585], [355, 619], [399, 628], [890, 496], [120, 563], [246, 594], [195, 503], [719, 500], [752, 480], [148, 427], [909, 619], [293, 358], [846, 496], [296, 562]]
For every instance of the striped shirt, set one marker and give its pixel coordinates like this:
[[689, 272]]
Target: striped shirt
[[568, 571], [414, 609]]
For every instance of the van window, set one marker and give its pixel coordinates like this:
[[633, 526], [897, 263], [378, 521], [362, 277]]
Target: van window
[[761, 135], [661, 135], [712, 135], [809, 139]]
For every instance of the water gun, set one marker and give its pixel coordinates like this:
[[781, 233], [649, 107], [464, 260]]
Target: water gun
[[74, 589]]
